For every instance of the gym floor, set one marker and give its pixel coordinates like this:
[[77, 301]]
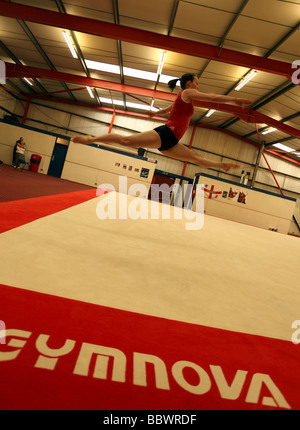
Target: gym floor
[[226, 276]]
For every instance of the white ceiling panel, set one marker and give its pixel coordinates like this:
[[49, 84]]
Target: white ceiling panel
[[256, 32], [277, 12], [101, 10], [202, 19]]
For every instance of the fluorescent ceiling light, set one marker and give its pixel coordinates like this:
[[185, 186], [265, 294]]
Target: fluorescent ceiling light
[[161, 62], [164, 79], [127, 71], [283, 147], [141, 74], [128, 104], [246, 80], [110, 101], [102, 67], [152, 107], [134, 73], [70, 44], [28, 81], [139, 106], [270, 130], [210, 112], [90, 92]]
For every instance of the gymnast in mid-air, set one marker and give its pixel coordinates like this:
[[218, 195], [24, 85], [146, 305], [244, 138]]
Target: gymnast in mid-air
[[166, 137]]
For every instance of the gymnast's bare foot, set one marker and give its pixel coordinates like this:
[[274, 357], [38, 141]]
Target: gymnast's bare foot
[[229, 166], [82, 139]]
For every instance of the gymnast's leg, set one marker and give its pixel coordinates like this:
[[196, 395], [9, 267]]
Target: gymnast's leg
[[182, 153], [151, 139], [147, 139]]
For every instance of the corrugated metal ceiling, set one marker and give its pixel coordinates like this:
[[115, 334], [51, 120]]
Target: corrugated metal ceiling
[[266, 29]]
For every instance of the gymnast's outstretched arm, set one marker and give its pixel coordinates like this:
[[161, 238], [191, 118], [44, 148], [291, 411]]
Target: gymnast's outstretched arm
[[161, 111], [190, 95]]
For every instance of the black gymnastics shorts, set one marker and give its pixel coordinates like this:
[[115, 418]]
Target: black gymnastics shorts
[[168, 140]]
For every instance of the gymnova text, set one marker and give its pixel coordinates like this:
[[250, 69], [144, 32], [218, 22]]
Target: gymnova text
[[77, 361], [133, 203]]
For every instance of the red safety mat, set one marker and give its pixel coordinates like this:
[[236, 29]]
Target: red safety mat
[[19, 212]]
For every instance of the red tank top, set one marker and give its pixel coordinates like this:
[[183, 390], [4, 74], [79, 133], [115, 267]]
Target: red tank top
[[180, 116]]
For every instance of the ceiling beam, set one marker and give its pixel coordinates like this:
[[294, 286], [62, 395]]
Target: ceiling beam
[[10, 54], [18, 70], [286, 119], [267, 98], [142, 37], [246, 114]]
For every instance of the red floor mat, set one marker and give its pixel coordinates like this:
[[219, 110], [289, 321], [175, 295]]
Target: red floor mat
[[19, 212]]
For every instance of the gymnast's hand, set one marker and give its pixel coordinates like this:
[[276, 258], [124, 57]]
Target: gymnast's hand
[[158, 112], [243, 102]]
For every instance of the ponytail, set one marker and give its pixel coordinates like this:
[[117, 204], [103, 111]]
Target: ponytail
[[183, 81], [172, 83]]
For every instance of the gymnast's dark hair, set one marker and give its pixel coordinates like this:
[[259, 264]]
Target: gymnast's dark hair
[[183, 80]]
